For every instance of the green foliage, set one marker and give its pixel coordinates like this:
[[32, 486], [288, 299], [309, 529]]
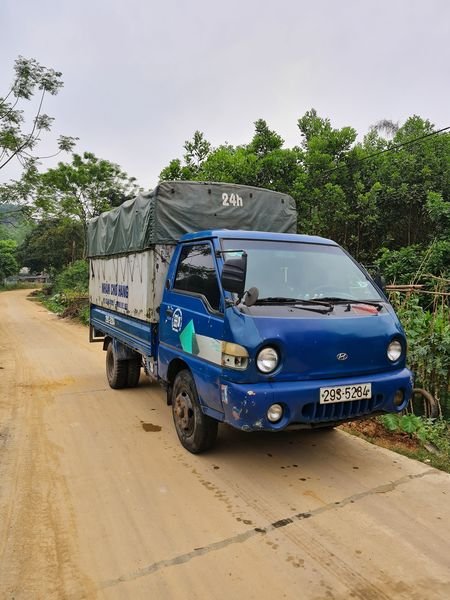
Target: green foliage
[[74, 279], [20, 285], [5, 234], [84, 315], [439, 213], [83, 188], [55, 303], [429, 431], [233, 165], [428, 334], [8, 263], [374, 203], [13, 224], [68, 295], [438, 433], [414, 263], [410, 424], [263, 162], [197, 150], [52, 245], [17, 141], [434, 435], [264, 140], [390, 421], [401, 266], [175, 171]]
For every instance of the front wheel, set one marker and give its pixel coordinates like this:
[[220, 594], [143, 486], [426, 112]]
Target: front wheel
[[196, 431]]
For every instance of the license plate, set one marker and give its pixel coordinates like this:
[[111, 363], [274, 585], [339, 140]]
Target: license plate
[[345, 393]]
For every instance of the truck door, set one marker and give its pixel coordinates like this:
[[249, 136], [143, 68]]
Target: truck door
[[191, 319]]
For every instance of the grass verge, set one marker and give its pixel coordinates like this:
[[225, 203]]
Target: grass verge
[[66, 305], [432, 447], [19, 286]]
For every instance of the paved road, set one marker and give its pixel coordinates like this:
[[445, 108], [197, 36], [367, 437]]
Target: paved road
[[99, 500]]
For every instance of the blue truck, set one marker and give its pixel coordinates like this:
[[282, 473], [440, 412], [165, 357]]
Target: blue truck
[[207, 287]]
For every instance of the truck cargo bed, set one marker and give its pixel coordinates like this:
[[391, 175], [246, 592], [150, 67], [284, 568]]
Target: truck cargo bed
[[130, 284]]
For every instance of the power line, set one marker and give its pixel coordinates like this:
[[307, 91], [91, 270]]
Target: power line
[[391, 149]]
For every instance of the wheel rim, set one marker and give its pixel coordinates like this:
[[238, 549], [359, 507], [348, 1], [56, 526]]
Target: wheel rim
[[184, 413]]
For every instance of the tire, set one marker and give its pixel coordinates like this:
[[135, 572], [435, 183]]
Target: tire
[[116, 370], [133, 371], [196, 431], [429, 406]]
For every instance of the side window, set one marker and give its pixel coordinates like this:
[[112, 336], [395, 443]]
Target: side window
[[196, 273]]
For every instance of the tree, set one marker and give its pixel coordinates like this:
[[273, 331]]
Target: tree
[[384, 193], [17, 141], [52, 245], [264, 139], [196, 151], [83, 188], [414, 195], [263, 162], [8, 263], [230, 164], [326, 188], [14, 223], [175, 171]]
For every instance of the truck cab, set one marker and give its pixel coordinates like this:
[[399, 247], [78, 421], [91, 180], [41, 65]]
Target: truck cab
[[267, 331]]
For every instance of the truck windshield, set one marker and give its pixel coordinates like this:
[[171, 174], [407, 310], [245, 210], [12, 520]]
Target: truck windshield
[[301, 271]]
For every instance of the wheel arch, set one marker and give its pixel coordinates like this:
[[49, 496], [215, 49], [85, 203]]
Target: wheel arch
[[176, 365]]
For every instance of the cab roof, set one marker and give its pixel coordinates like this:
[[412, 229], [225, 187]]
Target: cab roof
[[255, 235]]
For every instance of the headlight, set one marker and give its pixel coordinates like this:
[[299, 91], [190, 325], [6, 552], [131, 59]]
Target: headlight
[[267, 360], [394, 350]]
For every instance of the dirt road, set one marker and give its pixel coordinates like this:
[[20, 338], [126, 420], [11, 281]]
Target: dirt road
[[99, 500]]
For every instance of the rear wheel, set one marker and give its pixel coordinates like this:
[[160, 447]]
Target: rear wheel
[[133, 371], [116, 370], [196, 431]]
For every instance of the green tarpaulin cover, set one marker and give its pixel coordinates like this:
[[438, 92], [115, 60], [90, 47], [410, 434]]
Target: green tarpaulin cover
[[174, 208]]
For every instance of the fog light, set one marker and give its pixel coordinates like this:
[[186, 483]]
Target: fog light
[[275, 413], [399, 397]]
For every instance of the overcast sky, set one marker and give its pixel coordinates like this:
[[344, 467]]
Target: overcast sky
[[140, 76]]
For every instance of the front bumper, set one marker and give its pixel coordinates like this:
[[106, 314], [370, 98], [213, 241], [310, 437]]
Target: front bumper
[[245, 405]]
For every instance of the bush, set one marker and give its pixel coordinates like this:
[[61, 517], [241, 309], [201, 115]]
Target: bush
[[8, 263], [73, 279], [414, 263], [68, 296], [431, 431], [428, 335]]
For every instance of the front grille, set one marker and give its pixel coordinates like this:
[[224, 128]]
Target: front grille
[[314, 412]]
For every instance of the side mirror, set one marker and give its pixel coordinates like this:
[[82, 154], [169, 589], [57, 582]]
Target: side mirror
[[233, 275], [380, 281]]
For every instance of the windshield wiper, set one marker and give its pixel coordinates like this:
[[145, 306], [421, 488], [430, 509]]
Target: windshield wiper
[[306, 305], [298, 303], [337, 300], [276, 300]]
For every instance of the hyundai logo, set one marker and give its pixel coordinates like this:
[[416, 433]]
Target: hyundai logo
[[342, 356]]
